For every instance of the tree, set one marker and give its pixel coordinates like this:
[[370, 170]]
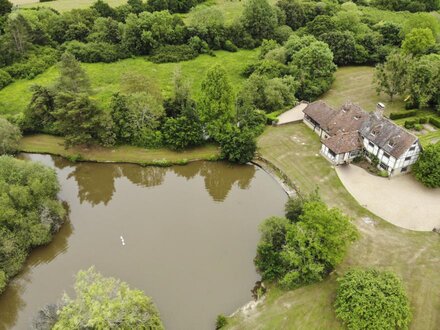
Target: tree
[[182, 132], [106, 303], [259, 19], [427, 168], [238, 146], [216, 102], [418, 41], [80, 120], [39, 114], [103, 9], [371, 299], [314, 70], [72, 79], [181, 102], [391, 77], [424, 81], [343, 46], [312, 245], [5, 79], [10, 136], [294, 11]]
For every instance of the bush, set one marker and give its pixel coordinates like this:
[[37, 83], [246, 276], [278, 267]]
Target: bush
[[230, 47], [410, 124], [400, 115], [434, 122], [10, 136], [173, 53], [418, 127], [427, 168], [94, 52], [36, 63], [221, 322], [5, 79], [148, 138], [370, 299]]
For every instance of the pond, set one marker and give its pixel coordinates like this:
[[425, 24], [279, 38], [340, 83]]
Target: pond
[[190, 237]]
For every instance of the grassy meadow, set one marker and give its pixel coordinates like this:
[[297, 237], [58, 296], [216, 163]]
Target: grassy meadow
[[412, 255], [105, 77], [63, 5]]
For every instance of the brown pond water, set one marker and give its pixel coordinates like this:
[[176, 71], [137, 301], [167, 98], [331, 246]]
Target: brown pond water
[[190, 234]]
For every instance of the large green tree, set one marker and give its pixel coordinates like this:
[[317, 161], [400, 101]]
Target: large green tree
[[216, 106], [10, 136], [371, 299], [427, 168], [106, 303], [72, 78], [418, 41], [259, 19], [30, 212], [391, 77]]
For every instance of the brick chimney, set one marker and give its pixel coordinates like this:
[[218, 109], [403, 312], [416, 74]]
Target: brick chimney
[[380, 108]]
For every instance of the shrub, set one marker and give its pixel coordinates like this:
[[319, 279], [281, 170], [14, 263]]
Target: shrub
[[10, 136], [230, 47], [173, 53], [410, 124], [221, 322], [94, 52], [148, 138], [182, 132], [400, 115], [427, 168], [36, 63], [370, 299], [418, 127], [434, 122], [5, 79]]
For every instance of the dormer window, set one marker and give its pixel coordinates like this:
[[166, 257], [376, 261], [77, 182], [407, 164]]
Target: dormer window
[[357, 117], [393, 141], [376, 130]]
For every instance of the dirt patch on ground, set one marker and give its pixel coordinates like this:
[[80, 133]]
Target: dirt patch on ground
[[401, 200]]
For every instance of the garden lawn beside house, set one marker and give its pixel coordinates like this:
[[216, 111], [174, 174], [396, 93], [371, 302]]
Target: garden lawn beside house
[[105, 77], [414, 256], [54, 145]]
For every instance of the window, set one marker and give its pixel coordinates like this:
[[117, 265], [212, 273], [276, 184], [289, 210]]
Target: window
[[386, 155], [412, 148], [404, 169], [371, 144], [385, 167], [331, 153], [408, 158]]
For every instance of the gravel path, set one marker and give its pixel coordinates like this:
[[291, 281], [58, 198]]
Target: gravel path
[[403, 201]]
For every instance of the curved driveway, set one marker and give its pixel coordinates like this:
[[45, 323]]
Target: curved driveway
[[402, 200]]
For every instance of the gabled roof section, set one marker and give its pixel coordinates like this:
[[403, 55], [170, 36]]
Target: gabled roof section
[[320, 112], [395, 140], [343, 142], [348, 119]]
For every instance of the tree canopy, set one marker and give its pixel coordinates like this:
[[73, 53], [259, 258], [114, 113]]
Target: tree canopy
[[10, 136], [427, 168], [372, 299]]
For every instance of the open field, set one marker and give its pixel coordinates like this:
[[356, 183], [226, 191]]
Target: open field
[[106, 77], [414, 256], [42, 143], [63, 5]]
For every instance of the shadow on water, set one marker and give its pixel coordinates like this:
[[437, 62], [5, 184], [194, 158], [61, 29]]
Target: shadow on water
[[41, 255]]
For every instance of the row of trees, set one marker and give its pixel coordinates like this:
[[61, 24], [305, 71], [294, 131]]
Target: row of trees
[[100, 303], [138, 115], [30, 212], [308, 244]]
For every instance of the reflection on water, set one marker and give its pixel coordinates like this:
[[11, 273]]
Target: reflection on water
[[190, 233]]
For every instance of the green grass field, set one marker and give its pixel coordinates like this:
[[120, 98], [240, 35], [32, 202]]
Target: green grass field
[[414, 256], [54, 145], [63, 5], [106, 77]]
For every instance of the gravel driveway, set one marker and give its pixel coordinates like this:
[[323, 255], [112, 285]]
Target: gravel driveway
[[292, 115], [402, 200]]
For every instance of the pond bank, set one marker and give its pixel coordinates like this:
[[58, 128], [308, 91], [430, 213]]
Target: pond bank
[[54, 145]]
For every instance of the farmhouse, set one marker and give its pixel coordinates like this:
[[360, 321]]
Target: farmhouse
[[350, 132]]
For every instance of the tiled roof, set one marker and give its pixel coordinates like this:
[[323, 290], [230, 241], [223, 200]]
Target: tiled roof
[[320, 112], [348, 119], [343, 142], [394, 139]]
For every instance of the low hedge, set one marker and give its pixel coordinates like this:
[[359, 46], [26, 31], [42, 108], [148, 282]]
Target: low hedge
[[400, 115], [434, 121], [173, 53]]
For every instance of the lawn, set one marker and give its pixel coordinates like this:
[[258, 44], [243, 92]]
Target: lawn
[[63, 5], [414, 256], [42, 143], [106, 77]]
